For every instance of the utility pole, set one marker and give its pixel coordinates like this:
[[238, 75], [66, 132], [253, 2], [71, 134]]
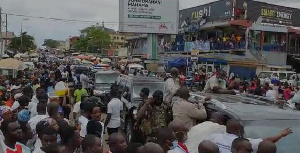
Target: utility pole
[[6, 39], [1, 38]]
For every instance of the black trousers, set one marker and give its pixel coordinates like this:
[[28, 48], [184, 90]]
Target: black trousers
[[112, 130]]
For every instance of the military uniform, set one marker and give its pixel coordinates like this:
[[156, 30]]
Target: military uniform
[[155, 118]]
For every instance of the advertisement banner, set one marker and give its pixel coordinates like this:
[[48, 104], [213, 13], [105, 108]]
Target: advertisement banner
[[149, 16], [191, 19], [196, 45], [268, 13]]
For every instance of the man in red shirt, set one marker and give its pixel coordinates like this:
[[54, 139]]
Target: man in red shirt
[[12, 134]]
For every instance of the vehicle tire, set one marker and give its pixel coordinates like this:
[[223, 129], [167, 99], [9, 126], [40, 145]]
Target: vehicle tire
[[128, 130]]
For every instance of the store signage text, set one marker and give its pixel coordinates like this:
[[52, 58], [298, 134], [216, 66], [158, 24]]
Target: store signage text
[[199, 14], [143, 3], [275, 14]]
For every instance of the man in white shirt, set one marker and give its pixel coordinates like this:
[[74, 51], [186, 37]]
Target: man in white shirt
[[271, 94], [114, 108], [294, 103], [47, 136], [235, 129], [217, 84], [172, 85], [41, 109], [86, 109], [84, 81], [203, 130]]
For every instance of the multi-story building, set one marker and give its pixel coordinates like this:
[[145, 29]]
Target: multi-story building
[[265, 33], [6, 40]]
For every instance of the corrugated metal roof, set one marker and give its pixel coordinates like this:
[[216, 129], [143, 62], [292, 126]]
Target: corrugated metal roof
[[9, 35]]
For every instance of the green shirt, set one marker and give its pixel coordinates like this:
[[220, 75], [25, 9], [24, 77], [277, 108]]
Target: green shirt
[[78, 93]]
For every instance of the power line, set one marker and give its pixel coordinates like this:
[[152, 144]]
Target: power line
[[83, 21]]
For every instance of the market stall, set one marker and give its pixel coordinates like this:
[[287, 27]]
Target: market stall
[[9, 67]]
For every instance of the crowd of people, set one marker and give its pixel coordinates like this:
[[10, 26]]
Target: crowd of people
[[166, 122]]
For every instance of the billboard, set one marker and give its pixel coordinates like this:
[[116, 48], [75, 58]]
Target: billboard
[[191, 19], [149, 16], [260, 12]]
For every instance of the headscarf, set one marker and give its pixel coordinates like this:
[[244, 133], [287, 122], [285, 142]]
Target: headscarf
[[3, 109], [24, 115]]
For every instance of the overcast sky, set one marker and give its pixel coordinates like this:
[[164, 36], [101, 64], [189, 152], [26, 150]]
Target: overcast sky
[[87, 10]]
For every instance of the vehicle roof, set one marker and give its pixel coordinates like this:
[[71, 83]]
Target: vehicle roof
[[140, 79], [134, 65], [279, 71], [247, 107], [107, 72]]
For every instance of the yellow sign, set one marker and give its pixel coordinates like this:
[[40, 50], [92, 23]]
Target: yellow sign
[[195, 52]]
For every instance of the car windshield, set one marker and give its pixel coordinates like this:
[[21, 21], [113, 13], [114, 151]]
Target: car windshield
[[153, 86], [108, 78], [265, 75], [269, 128]]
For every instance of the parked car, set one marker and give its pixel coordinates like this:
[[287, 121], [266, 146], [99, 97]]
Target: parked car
[[283, 76], [261, 119], [130, 88]]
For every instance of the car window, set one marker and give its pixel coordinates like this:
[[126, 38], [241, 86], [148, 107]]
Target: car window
[[265, 128], [282, 76], [265, 75]]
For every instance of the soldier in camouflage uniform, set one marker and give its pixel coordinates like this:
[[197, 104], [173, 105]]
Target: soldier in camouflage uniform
[[153, 115]]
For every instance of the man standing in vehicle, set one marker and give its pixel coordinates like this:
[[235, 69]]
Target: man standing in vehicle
[[172, 84], [153, 115], [217, 84]]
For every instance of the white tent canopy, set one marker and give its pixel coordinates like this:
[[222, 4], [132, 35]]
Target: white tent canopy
[[105, 60]]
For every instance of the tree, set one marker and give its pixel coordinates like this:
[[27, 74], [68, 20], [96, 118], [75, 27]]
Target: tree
[[94, 39], [26, 45], [50, 43]]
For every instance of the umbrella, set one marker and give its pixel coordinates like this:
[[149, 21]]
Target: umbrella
[[5, 56], [87, 62], [123, 61], [107, 60], [136, 60], [18, 55], [34, 55]]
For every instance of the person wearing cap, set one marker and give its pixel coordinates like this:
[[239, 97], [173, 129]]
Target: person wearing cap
[[153, 115], [172, 84]]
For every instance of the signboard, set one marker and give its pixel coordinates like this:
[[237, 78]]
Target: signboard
[[197, 45], [268, 13], [191, 19], [149, 16]]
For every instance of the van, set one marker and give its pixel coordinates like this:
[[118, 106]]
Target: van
[[284, 76]]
